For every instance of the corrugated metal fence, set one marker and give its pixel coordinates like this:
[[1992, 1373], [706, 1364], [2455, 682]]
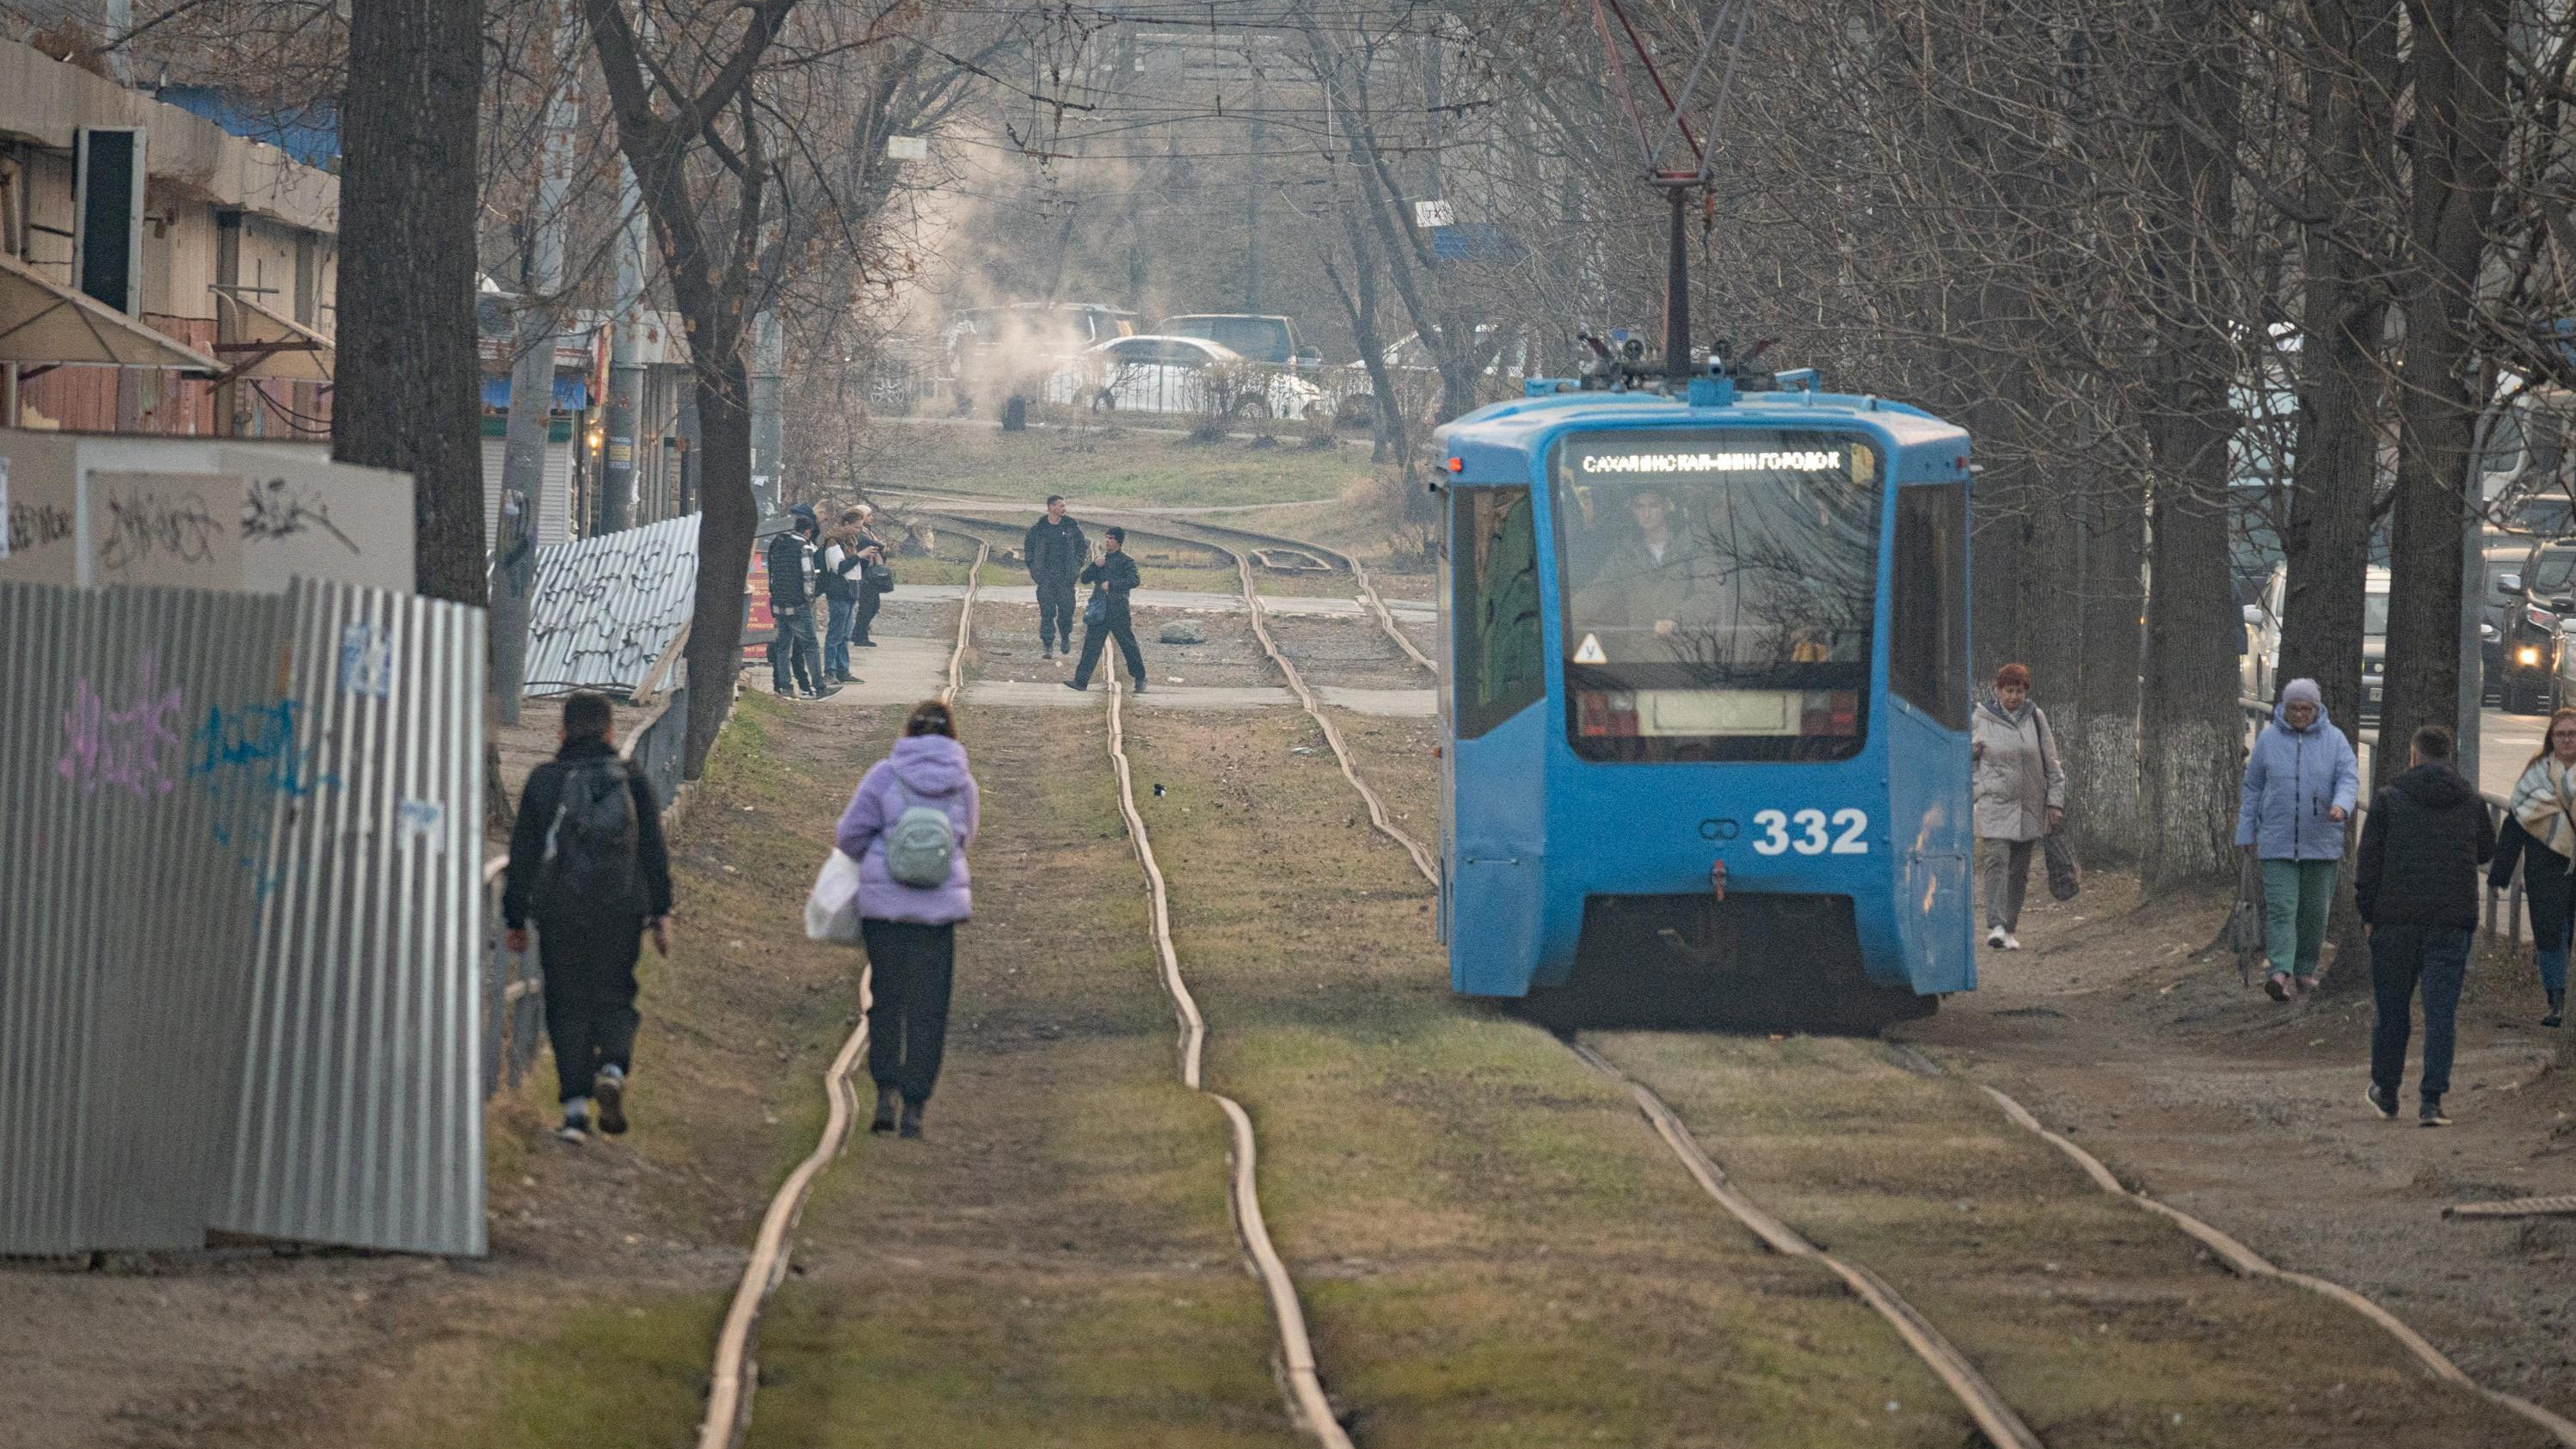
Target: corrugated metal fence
[[240, 928], [605, 610]]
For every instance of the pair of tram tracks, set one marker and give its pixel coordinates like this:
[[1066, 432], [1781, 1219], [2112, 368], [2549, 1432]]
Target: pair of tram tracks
[[734, 1375], [1994, 1416]]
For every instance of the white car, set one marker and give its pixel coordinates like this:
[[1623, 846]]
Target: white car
[[1158, 374]]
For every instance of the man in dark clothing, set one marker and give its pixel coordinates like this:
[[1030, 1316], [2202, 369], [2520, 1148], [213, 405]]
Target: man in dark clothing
[[795, 654], [2417, 886], [1055, 550], [1113, 579], [592, 871]]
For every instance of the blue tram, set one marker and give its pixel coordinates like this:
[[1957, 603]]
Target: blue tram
[[1705, 693]]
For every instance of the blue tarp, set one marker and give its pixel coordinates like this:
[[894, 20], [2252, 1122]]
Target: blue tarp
[[310, 134], [572, 394]]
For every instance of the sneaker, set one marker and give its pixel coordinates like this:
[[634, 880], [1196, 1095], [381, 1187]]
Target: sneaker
[[1995, 938], [826, 692], [2383, 1103], [575, 1128], [2431, 1113], [863, 643], [887, 1101], [911, 1120], [2557, 1009], [609, 1092], [2277, 986], [1139, 686], [2011, 941]]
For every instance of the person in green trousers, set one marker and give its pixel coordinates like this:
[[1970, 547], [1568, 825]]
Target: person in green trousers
[[2301, 782]]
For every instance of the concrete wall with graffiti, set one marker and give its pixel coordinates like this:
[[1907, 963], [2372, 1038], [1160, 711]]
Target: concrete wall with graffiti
[[211, 513], [241, 942]]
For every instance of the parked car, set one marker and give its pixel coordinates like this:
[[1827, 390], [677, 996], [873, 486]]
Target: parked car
[[1409, 366], [2525, 655], [1158, 374], [1257, 338], [2262, 659], [998, 352]]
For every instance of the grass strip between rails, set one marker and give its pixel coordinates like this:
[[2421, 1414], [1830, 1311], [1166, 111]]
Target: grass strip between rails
[[2099, 1321], [1054, 1264], [1492, 1247]]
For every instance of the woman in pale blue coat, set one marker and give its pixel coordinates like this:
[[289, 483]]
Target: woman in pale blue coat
[[2300, 786]]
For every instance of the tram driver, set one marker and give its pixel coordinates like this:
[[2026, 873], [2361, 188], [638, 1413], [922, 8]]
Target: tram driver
[[1658, 578]]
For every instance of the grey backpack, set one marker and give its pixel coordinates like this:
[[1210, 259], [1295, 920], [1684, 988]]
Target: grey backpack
[[922, 845]]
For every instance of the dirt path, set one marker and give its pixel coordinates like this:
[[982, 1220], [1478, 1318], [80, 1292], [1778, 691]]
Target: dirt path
[[2250, 1116]]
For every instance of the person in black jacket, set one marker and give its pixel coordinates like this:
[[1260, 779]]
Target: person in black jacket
[[1054, 551], [1112, 580], [795, 653], [2417, 887], [595, 878]]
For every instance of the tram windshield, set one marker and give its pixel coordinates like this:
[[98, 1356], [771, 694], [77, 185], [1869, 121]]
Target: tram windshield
[[1718, 593]]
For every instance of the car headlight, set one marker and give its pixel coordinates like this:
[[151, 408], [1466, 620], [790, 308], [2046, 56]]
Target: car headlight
[[2527, 654]]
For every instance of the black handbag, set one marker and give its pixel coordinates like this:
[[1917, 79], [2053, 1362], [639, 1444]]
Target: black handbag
[[878, 576], [2063, 878], [1097, 611]]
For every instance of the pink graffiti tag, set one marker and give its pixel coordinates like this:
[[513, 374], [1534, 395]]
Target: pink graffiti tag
[[122, 747]]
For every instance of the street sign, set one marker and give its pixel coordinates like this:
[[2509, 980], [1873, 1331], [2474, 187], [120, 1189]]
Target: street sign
[[1429, 214]]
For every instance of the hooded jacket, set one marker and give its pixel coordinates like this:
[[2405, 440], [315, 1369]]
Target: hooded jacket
[[2421, 847], [1054, 551], [2292, 779], [2019, 779], [791, 570], [932, 771]]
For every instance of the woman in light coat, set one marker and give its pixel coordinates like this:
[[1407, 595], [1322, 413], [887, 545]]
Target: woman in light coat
[[2301, 782], [910, 931], [2020, 797]]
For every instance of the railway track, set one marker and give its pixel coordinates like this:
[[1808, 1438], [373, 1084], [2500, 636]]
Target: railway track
[[733, 1376]]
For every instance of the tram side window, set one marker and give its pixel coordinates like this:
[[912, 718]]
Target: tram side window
[[1927, 659], [1500, 670]]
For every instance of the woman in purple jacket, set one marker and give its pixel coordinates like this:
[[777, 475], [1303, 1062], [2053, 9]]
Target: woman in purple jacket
[[910, 931]]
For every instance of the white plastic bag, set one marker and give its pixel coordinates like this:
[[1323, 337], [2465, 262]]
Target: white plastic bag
[[832, 907]]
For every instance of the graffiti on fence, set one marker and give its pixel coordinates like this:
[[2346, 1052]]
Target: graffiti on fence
[[276, 509], [250, 761], [122, 747]]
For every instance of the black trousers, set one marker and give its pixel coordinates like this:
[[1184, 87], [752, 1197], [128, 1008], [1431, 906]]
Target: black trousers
[[866, 613], [1055, 613], [2402, 958], [1097, 636], [910, 967], [589, 971]]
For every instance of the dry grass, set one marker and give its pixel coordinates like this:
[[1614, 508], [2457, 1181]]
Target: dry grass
[[1492, 1247], [2099, 1321]]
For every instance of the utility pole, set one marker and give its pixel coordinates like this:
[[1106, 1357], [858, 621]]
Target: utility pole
[[625, 374], [532, 385], [768, 429], [1252, 192]]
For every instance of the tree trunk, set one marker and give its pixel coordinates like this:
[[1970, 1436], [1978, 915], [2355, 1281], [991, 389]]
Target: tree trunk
[[2102, 745], [728, 520], [2335, 459], [2188, 767], [405, 393], [2458, 66]]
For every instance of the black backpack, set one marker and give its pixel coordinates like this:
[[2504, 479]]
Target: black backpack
[[590, 865]]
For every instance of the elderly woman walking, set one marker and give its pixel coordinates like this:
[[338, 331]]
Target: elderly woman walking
[[2540, 836], [2301, 783], [908, 826], [2021, 795]]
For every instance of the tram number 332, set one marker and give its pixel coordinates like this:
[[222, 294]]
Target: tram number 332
[[1811, 832]]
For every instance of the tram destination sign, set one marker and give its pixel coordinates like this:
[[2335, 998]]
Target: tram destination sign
[[1685, 461]]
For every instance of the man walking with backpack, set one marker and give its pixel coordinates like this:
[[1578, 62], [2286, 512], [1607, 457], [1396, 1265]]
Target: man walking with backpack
[[588, 865], [1054, 551], [2417, 886]]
